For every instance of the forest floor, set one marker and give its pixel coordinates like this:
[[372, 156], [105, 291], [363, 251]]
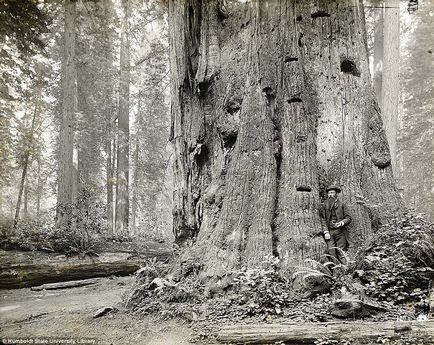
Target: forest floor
[[68, 314]]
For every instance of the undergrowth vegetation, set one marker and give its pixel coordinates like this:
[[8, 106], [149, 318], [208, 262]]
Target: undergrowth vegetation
[[80, 234], [398, 264], [394, 270]]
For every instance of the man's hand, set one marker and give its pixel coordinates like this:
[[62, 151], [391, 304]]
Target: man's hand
[[340, 224]]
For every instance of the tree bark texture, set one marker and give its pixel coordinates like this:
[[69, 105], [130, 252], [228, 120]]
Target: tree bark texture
[[390, 78], [66, 137], [272, 101], [122, 181]]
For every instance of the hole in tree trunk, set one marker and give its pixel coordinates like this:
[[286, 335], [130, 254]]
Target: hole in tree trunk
[[269, 92], [320, 14], [222, 12], [303, 188], [229, 139], [290, 59], [300, 138], [348, 66], [299, 18], [300, 40], [294, 100], [202, 88], [233, 105], [201, 156]]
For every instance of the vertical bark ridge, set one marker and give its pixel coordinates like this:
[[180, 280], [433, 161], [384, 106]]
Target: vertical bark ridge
[[243, 232], [298, 219]]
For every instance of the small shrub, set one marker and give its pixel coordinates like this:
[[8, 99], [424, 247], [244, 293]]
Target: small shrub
[[27, 234], [83, 222], [262, 289], [397, 266]]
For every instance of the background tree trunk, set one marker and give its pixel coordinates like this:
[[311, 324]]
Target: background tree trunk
[[26, 199], [378, 52], [390, 79], [27, 153], [272, 101], [66, 138], [109, 185], [122, 181], [39, 190], [415, 168], [134, 200]]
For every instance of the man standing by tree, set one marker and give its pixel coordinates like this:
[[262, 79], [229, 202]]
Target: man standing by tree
[[336, 216]]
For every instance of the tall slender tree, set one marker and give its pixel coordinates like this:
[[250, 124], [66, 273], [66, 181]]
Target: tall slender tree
[[122, 180], [390, 75], [66, 138], [27, 154]]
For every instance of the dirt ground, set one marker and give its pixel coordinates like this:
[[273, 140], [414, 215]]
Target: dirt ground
[[68, 314]]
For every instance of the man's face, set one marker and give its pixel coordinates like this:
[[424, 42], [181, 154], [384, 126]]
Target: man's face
[[332, 194]]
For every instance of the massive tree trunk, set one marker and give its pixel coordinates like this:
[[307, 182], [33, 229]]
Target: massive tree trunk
[[66, 138], [272, 101], [390, 78], [122, 181]]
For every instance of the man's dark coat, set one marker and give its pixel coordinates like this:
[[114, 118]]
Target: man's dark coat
[[341, 214]]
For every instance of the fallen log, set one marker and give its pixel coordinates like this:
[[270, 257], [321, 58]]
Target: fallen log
[[65, 285], [296, 333], [26, 269]]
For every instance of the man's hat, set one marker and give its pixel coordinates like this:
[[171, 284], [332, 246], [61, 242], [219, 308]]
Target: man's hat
[[333, 187]]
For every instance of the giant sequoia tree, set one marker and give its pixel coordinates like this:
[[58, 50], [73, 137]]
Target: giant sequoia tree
[[271, 101]]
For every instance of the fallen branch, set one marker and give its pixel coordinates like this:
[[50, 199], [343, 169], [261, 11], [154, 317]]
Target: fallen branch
[[307, 333], [65, 285]]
